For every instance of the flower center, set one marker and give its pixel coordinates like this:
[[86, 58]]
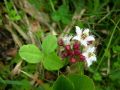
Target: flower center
[[90, 54], [83, 36]]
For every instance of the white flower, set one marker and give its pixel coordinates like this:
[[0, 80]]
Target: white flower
[[89, 55], [67, 39], [83, 36]]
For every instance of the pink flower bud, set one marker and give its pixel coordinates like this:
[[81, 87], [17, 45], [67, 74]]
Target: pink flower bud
[[60, 42], [67, 47], [71, 53], [82, 58], [77, 52], [64, 54], [72, 60], [76, 45]]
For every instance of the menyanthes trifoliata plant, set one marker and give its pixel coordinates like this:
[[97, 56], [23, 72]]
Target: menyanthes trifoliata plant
[[67, 55]]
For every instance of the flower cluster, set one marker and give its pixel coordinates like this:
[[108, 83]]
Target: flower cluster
[[79, 47]]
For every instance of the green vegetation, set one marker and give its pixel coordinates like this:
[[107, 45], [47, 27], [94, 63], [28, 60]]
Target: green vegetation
[[30, 54]]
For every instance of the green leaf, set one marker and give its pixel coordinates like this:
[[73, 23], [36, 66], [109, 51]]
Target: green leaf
[[35, 3], [82, 82], [77, 68], [56, 17], [116, 49], [62, 14], [97, 77], [52, 62], [107, 53], [46, 86], [2, 81], [49, 44], [115, 75], [63, 83], [30, 53], [79, 4], [65, 20]]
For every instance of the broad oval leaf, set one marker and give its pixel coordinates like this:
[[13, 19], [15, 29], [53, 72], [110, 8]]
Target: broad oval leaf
[[82, 82], [52, 62], [63, 83], [30, 53], [49, 44], [77, 68]]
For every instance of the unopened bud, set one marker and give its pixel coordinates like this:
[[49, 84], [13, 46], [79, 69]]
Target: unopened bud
[[67, 47], [72, 60], [60, 42], [77, 52], [82, 58], [64, 54], [76, 45], [71, 53]]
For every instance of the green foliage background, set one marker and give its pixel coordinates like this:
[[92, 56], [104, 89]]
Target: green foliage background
[[101, 16]]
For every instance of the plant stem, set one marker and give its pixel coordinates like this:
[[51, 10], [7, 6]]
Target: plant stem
[[101, 60], [52, 6], [26, 73]]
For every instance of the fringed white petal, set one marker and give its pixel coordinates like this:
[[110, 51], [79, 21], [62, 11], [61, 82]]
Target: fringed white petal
[[85, 54], [89, 62], [94, 58], [90, 38], [91, 49], [83, 42], [76, 38], [78, 31], [66, 39], [86, 31]]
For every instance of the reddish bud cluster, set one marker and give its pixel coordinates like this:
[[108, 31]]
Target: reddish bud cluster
[[72, 52]]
